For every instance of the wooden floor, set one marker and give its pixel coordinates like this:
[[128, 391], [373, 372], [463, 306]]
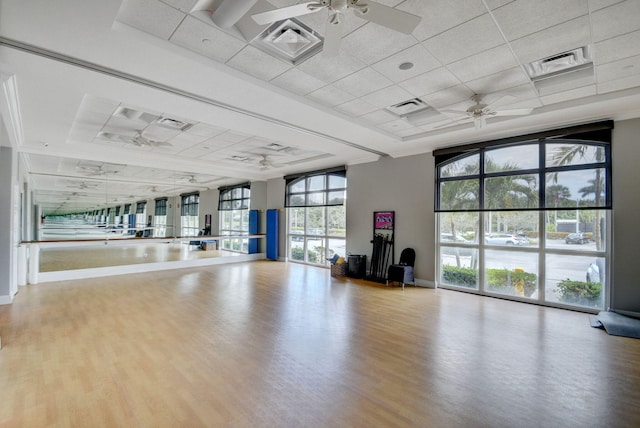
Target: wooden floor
[[271, 344]]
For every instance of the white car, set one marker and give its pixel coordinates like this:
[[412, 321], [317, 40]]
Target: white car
[[504, 239]]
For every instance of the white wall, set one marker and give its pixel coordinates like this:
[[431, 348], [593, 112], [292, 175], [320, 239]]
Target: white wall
[[626, 207], [10, 224], [275, 200], [208, 204], [403, 185]]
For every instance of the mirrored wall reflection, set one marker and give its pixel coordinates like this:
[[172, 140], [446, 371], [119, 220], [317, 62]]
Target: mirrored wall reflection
[[87, 200], [98, 255]]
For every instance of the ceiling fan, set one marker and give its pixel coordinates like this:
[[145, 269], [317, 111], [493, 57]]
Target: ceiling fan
[[386, 16], [479, 112], [142, 141], [137, 139], [83, 185], [97, 169], [266, 163]]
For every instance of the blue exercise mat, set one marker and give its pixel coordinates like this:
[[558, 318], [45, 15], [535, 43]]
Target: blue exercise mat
[[616, 324]]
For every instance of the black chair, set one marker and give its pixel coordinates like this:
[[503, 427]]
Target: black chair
[[403, 270]]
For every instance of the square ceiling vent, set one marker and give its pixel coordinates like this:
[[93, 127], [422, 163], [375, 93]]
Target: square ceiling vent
[[290, 40], [415, 111], [566, 70]]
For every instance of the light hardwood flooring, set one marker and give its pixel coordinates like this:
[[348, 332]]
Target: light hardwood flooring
[[271, 344]]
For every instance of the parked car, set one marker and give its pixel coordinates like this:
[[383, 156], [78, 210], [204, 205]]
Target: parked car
[[448, 237], [576, 238], [505, 239]]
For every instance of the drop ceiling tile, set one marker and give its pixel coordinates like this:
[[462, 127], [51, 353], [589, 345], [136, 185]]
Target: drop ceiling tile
[[619, 84], [363, 82], [396, 126], [183, 5], [484, 63], [459, 42], [430, 82], [499, 81], [230, 137], [388, 96], [206, 40], [439, 16], [541, 14], [600, 4], [570, 95], [331, 69], [372, 43], [615, 20], [553, 40], [150, 16], [378, 117], [356, 108], [196, 152], [330, 96], [448, 96], [420, 57], [618, 69], [525, 93], [204, 130], [494, 4], [617, 48], [258, 64], [298, 82]]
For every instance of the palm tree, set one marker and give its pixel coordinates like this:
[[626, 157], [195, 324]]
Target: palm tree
[[565, 155]]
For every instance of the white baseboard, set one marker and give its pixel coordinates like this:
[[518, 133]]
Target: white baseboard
[[426, 283], [6, 300], [67, 275]]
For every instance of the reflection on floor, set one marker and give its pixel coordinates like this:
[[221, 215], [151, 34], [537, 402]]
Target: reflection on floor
[[86, 257]]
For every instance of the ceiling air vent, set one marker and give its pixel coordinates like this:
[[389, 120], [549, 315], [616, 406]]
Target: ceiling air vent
[[415, 111], [562, 71], [406, 107], [170, 123], [561, 63], [290, 40]]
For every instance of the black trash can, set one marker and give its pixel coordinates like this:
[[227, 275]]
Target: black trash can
[[357, 266]]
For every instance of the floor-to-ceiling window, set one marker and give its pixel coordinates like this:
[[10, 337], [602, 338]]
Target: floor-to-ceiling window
[[141, 215], [125, 216], [189, 215], [528, 217], [233, 206], [160, 218], [316, 216]]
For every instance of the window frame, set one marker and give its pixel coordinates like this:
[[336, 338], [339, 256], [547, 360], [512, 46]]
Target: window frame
[[591, 135], [307, 206]]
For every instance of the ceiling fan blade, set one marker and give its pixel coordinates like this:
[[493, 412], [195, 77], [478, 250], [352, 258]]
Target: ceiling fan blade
[[230, 12], [514, 112], [505, 99], [456, 112], [333, 35], [452, 123], [283, 13], [389, 17]]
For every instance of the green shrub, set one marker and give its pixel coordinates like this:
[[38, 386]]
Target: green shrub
[[466, 277], [501, 280], [585, 293], [297, 253]]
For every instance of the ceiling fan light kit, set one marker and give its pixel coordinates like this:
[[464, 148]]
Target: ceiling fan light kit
[[377, 13]]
